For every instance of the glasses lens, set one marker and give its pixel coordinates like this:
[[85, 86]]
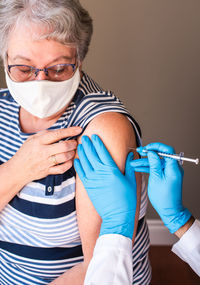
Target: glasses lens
[[60, 72], [21, 73]]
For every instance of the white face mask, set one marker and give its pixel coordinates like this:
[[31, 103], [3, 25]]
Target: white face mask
[[43, 98]]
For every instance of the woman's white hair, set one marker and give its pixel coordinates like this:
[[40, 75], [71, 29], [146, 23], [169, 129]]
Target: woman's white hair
[[65, 21]]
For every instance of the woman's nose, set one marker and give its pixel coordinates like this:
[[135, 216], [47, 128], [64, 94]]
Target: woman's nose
[[41, 75]]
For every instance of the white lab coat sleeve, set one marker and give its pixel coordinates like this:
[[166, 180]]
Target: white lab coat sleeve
[[188, 247], [111, 262]]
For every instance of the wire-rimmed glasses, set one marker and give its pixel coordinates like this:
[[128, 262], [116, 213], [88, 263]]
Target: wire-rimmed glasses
[[58, 72]]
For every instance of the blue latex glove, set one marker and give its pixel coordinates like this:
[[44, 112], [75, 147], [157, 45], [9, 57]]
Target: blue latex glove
[[165, 184], [113, 194]]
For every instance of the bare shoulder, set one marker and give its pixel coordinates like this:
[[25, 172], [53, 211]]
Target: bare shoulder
[[116, 132], [110, 121]]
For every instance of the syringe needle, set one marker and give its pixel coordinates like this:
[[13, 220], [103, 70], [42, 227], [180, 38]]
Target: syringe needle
[[174, 156], [178, 157]]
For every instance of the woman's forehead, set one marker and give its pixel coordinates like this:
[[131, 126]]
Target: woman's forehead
[[23, 43]]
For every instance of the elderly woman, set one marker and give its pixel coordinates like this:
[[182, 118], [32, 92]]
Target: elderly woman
[[47, 233]]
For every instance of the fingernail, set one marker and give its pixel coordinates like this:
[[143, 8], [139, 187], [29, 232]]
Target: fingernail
[[77, 129], [85, 139], [79, 147], [94, 137], [71, 143]]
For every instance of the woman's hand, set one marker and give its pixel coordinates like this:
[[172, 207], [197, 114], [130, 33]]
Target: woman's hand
[[43, 154]]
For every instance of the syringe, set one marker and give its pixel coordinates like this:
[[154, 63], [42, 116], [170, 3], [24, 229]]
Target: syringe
[[178, 157]]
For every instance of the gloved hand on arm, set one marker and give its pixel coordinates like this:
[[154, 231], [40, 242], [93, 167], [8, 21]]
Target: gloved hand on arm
[[164, 185], [112, 193]]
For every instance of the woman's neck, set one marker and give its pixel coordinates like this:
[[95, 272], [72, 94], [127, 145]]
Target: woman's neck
[[32, 124]]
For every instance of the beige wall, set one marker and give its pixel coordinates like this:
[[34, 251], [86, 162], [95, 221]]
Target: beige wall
[[147, 52]]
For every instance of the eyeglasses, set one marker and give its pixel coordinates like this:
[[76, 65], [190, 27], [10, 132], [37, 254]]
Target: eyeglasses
[[58, 72]]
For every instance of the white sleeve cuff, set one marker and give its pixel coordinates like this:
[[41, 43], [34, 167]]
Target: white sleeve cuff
[[190, 239], [113, 241], [188, 247]]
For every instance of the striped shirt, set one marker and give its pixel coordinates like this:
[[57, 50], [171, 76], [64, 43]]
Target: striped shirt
[[39, 237]]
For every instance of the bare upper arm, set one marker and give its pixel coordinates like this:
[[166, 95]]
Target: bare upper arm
[[118, 135]]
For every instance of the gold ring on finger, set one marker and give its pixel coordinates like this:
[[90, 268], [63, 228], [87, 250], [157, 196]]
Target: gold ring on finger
[[53, 157]]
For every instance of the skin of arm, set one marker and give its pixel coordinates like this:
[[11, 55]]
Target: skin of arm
[[118, 135], [9, 187], [180, 232]]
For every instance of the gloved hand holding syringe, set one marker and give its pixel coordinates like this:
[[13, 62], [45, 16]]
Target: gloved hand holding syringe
[[180, 157]]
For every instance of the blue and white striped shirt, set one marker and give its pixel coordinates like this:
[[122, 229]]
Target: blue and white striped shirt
[[39, 237]]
